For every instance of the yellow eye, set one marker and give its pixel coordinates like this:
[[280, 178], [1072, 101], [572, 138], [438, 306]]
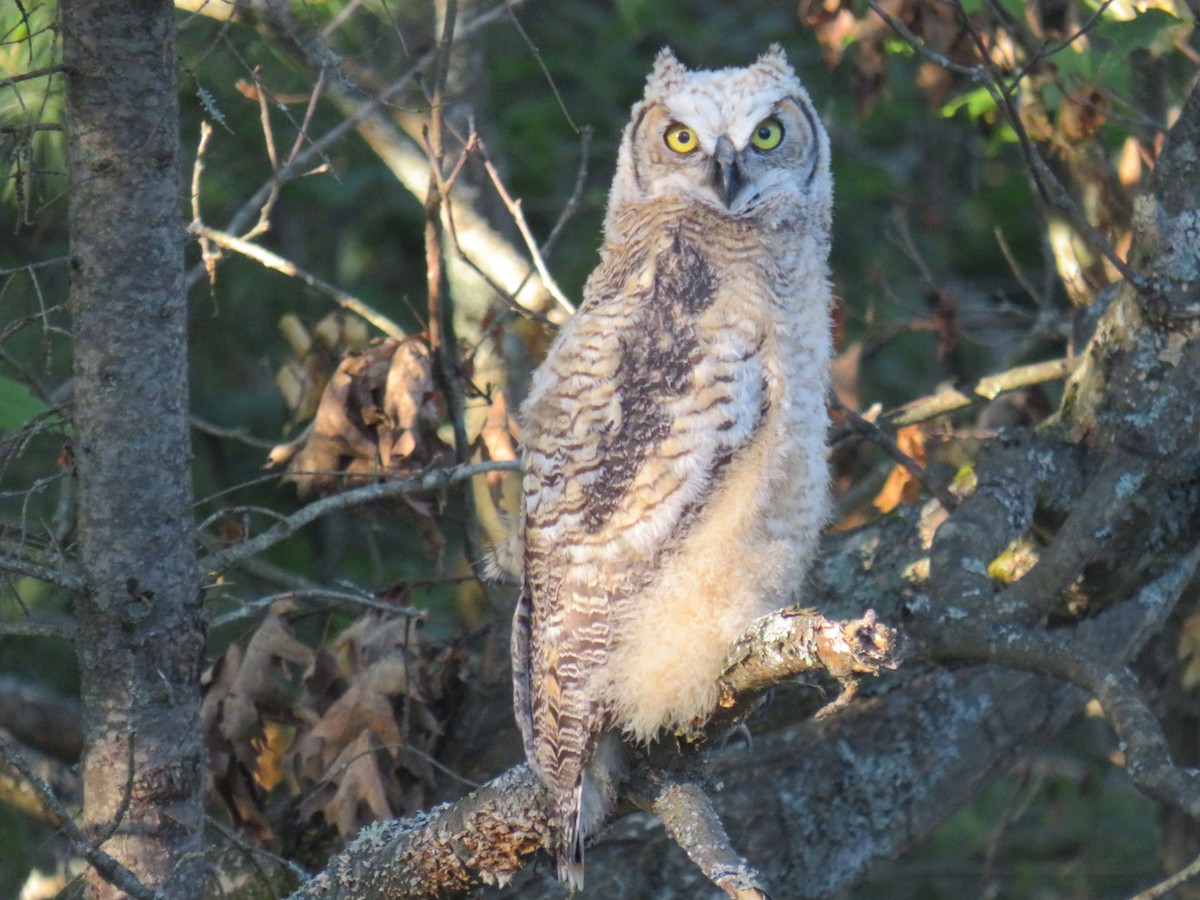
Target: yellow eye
[[767, 134], [681, 139]]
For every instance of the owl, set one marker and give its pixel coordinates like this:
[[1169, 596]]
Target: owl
[[674, 473]]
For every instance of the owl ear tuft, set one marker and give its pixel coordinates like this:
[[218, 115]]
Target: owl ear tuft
[[668, 73], [774, 62]]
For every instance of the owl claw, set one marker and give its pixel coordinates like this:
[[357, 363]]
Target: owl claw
[[741, 731]]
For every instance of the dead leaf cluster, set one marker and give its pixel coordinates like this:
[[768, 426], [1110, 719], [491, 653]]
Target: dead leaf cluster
[[327, 740], [377, 415]]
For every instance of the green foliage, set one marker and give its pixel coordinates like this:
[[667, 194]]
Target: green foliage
[[17, 404], [34, 154]]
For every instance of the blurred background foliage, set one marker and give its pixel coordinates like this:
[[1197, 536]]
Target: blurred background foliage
[[947, 265]]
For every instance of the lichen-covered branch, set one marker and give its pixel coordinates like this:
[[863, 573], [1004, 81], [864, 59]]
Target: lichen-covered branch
[[1093, 656], [485, 838], [793, 641], [488, 836], [687, 813]]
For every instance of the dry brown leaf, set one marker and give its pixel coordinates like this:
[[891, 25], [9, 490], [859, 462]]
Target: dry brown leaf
[[269, 764], [260, 685], [1081, 114], [359, 783], [239, 688], [366, 707], [378, 415], [372, 638], [900, 486], [340, 443], [1188, 652], [411, 410]]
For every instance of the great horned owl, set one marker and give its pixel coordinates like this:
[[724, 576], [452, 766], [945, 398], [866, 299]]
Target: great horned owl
[[674, 466]]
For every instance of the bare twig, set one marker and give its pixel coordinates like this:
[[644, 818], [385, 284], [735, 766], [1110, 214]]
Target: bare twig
[[302, 132], [258, 205], [30, 128], [26, 628], [208, 256], [32, 73], [338, 598], [434, 480], [18, 792], [882, 439], [514, 208], [54, 261], [442, 338], [951, 399], [1187, 873], [274, 261], [51, 574], [111, 870]]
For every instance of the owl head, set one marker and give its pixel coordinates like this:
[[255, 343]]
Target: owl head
[[738, 140]]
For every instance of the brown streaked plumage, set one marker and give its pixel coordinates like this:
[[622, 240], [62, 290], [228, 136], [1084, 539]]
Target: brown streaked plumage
[[674, 463]]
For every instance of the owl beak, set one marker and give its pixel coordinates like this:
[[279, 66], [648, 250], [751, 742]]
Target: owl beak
[[726, 173]]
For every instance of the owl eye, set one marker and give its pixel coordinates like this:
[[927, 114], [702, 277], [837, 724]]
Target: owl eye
[[767, 134], [681, 139]]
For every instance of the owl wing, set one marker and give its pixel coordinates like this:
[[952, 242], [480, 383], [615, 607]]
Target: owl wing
[[630, 425]]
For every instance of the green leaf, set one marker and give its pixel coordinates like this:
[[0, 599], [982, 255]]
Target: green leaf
[[17, 404], [978, 102], [1138, 33]]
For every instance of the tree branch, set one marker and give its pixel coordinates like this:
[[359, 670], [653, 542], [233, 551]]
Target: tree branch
[[111, 870], [51, 574], [274, 261], [1085, 657], [488, 836], [434, 480]]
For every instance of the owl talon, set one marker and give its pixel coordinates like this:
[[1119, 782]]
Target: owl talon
[[741, 731]]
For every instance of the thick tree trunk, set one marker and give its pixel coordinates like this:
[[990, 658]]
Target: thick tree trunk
[[140, 631]]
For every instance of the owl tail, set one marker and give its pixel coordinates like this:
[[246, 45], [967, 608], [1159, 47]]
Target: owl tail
[[570, 838]]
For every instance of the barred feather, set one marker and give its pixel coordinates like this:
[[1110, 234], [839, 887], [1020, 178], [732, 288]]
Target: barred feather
[[674, 473]]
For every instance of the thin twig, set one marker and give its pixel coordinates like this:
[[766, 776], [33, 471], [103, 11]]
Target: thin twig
[[537, 56], [572, 204], [56, 575], [308, 114], [111, 870], [32, 73], [26, 628], [887, 443], [53, 261], [434, 480], [1187, 873], [952, 399], [263, 198], [341, 598], [208, 256], [514, 209], [264, 118], [274, 261], [30, 128]]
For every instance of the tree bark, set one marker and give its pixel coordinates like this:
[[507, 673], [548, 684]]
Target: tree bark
[[141, 636]]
